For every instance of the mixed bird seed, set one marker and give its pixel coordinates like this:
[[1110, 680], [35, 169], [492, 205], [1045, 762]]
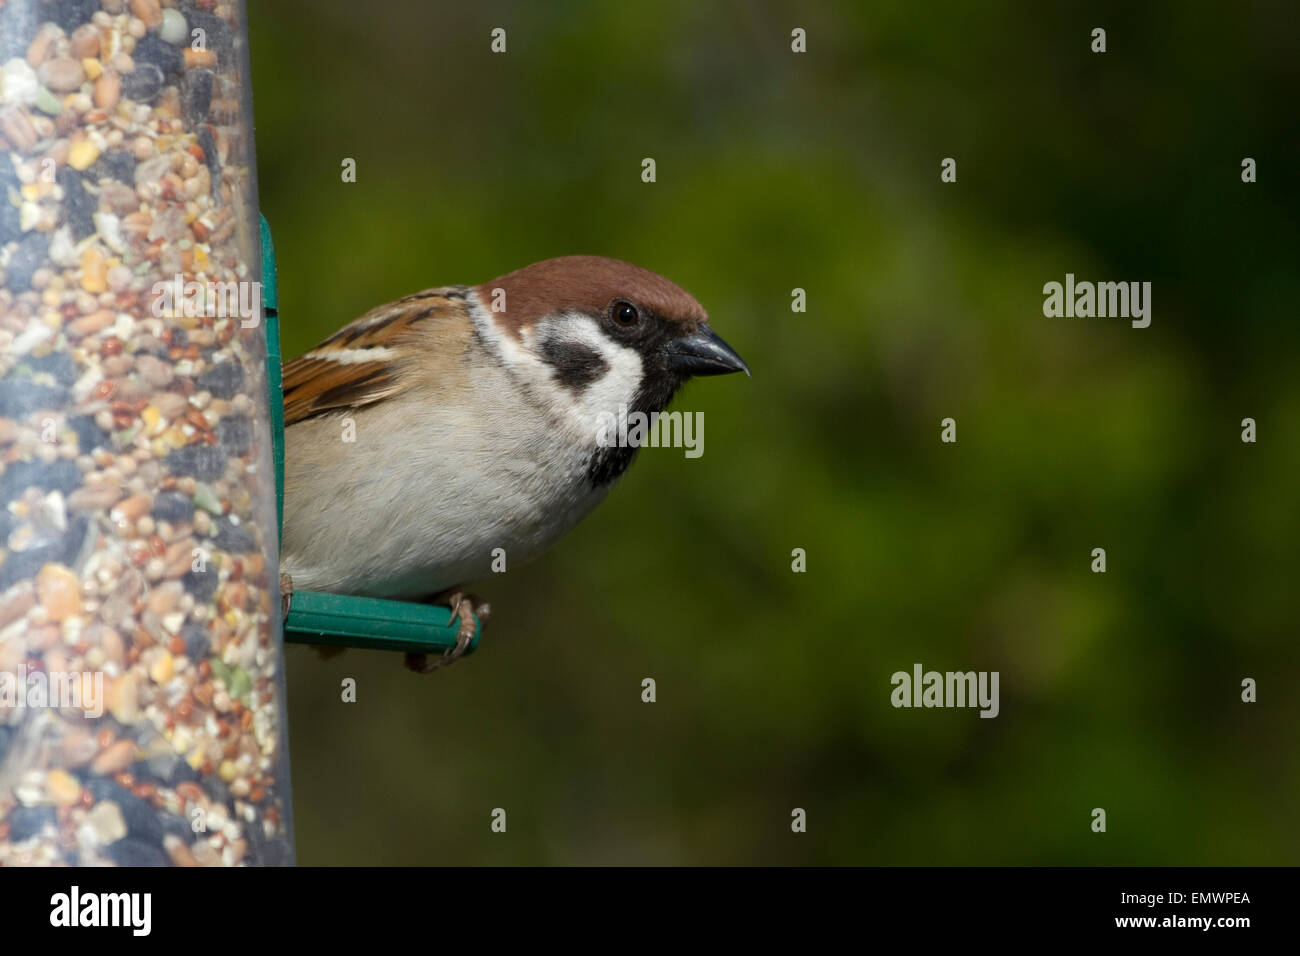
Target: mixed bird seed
[[137, 500]]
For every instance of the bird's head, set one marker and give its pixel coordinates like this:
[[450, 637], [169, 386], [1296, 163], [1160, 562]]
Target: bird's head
[[605, 329]]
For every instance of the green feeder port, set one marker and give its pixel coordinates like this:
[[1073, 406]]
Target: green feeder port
[[343, 620]]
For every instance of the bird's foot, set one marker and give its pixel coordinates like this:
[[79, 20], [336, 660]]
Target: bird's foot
[[465, 608], [286, 595]]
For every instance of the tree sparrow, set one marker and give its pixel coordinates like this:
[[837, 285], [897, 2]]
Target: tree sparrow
[[456, 421]]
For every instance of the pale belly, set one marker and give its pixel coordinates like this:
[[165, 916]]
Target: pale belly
[[396, 517]]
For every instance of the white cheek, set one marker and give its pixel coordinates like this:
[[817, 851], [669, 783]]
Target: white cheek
[[607, 395], [617, 387]]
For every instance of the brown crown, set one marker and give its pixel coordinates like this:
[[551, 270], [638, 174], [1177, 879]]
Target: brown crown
[[588, 284]]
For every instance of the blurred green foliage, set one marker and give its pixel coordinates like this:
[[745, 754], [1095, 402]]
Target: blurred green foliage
[[821, 171]]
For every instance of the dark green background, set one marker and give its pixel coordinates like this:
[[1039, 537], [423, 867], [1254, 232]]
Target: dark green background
[[821, 171]]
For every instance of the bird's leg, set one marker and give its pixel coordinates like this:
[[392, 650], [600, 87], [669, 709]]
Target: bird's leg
[[286, 595], [464, 607]]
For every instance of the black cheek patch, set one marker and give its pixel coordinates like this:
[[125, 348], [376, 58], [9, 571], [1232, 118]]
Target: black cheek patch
[[608, 463], [576, 365]]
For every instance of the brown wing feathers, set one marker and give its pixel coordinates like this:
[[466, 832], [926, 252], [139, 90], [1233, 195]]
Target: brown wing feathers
[[358, 364]]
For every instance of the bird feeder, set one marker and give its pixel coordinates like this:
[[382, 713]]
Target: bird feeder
[[142, 712], [142, 697]]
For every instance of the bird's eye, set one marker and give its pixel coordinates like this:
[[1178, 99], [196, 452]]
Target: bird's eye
[[625, 314]]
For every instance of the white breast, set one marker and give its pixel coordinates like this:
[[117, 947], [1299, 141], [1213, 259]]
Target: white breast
[[427, 492]]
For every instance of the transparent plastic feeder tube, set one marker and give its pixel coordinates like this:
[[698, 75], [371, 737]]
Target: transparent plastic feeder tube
[[142, 715]]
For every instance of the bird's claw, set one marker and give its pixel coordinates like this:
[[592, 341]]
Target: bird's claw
[[464, 608], [286, 595]]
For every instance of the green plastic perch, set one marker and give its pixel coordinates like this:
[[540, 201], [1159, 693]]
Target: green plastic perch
[[342, 620]]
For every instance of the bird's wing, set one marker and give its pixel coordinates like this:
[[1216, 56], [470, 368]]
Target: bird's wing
[[358, 364]]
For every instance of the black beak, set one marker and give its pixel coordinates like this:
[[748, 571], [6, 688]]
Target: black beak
[[703, 353]]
